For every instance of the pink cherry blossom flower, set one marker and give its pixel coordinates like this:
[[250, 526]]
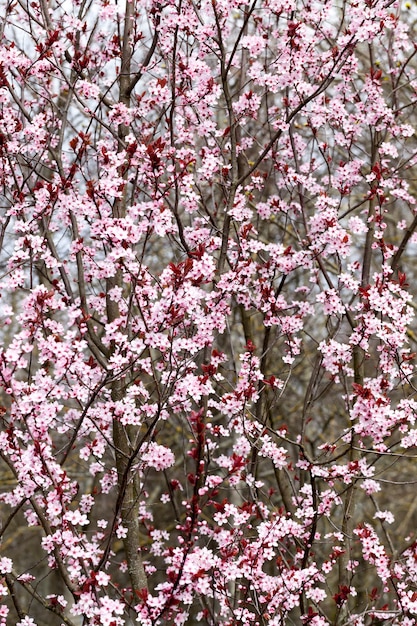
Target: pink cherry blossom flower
[[157, 456]]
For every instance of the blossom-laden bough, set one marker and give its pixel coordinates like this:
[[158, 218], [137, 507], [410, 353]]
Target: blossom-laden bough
[[206, 293]]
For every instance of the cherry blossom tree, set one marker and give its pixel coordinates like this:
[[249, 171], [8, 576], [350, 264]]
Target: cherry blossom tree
[[207, 275]]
